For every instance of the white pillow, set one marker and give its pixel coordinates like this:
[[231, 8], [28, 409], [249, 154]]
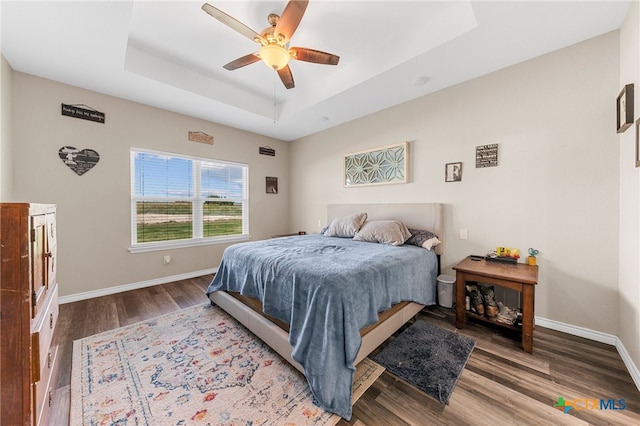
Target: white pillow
[[391, 232], [431, 243], [346, 226]]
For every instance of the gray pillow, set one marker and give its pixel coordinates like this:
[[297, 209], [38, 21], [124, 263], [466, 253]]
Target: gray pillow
[[346, 226], [391, 232], [422, 238]]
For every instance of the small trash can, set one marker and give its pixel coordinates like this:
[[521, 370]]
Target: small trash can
[[445, 290]]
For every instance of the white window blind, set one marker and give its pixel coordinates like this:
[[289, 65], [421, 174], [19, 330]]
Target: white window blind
[[177, 198]]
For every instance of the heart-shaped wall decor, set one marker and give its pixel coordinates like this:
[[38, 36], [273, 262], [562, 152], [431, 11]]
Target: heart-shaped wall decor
[[80, 161]]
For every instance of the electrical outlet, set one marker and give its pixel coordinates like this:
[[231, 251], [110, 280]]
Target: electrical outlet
[[319, 223], [464, 234], [167, 259]]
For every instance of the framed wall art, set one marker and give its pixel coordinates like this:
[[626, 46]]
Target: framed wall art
[[385, 165], [638, 143], [624, 108], [272, 185], [453, 172], [487, 156]]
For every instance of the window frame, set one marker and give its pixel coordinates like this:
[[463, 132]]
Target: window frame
[[197, 201]]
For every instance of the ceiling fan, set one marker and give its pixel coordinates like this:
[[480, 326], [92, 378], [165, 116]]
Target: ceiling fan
[[274, 41]]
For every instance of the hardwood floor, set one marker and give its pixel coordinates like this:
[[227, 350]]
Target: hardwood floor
[[501, 385], [92, 316]]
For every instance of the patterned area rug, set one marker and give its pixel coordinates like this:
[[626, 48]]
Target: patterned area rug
[[428, 357], [195, 366]]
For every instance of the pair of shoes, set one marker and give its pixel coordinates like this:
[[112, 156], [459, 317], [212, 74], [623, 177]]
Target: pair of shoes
[[475, 299], [483, 300], [489, 298]]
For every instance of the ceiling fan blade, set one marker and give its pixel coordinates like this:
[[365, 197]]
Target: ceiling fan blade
[[232, 22], [315, 56], [290, 18], [286, 77], [241, 62]]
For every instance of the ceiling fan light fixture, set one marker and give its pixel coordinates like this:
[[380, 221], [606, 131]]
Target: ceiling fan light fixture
[[274, 56], [273, 41]]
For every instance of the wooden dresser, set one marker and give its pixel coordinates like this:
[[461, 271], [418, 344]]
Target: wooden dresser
[[28, 312]]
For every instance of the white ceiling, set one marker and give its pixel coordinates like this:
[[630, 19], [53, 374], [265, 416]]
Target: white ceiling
[[170, 54]]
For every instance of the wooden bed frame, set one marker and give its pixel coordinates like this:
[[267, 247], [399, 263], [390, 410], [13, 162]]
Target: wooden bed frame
[[426, 216]]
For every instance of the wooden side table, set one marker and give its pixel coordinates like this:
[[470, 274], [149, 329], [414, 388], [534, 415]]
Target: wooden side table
[[519, 277]]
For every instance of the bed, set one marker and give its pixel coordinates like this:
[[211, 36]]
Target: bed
[[325, 302]]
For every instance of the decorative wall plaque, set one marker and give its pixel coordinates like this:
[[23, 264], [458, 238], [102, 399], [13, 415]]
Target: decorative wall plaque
[[84, 112], [80, 161], [388, 164], [487, 155], [201, 137]]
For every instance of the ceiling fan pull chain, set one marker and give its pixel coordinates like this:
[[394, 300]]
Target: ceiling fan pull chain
[[274, 96]]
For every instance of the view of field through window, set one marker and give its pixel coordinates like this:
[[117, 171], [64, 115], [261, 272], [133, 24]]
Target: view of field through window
[[163, 221]]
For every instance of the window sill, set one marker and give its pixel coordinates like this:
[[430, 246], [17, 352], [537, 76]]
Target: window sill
[[168, 245]]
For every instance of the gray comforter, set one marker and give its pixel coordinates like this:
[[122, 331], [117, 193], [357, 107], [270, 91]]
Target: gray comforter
[[327, 289]]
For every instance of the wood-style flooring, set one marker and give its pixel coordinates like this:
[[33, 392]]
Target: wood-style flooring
[[501, 385]]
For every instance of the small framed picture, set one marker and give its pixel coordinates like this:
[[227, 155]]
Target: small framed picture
[[624, 108], [272, 185], [453, 172], [638, 143]]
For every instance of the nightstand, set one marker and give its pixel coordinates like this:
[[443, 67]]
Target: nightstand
[[520, 277]]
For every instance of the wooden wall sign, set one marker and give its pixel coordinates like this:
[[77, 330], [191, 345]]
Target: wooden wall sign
[[77, 111], [487, 155], [201, 137], [80, 161]]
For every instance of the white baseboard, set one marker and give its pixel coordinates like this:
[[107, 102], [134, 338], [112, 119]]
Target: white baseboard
[[597, 336], [628, 362], [133, 286], [574, 330]]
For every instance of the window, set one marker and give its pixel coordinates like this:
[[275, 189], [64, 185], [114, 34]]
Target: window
[[179, 200]]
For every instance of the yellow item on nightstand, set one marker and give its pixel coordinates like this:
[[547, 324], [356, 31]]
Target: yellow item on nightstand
[[508, 252]]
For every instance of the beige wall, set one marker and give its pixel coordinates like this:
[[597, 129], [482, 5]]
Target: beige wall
[[94, 209], [6, 160], [629, 286], [555, 189]]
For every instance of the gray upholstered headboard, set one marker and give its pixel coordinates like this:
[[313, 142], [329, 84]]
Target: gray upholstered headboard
[[427, 216]]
